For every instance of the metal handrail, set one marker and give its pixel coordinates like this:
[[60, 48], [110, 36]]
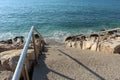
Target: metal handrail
[[19, 66]]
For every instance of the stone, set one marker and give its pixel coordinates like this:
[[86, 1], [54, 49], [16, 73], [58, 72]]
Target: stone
[[104, 41], [68, 38], [73, 43], [18, 42], [5, 47], [19, 38], [6, 75], [89, 43], [94, 47], [94, 35], [9, 41], [109, 46], [36, 36], [68, 43], [9, 59], [79, 44]]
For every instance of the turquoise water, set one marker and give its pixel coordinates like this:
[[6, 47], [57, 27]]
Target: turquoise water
[[57, 19]]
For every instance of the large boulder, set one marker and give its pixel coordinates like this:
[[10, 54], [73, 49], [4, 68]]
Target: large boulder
[[90, 43], [9, 59], [110, 46]]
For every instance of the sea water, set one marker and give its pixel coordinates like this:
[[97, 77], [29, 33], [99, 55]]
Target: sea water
[[57, 19]]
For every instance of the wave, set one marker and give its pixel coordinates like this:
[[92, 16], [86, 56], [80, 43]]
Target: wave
[[57, 35], [11, 35], [60, 36]]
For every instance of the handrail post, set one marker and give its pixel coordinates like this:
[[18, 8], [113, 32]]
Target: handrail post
[[35, 52], [25, 72]]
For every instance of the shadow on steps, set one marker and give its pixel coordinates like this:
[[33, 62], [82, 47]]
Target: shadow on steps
[[94, 73], [41, 70]]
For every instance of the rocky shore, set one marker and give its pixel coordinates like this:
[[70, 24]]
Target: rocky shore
[[102, 41], [10, 51]]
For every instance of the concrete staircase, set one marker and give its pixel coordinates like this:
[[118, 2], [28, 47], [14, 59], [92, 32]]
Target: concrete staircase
[[62, 63]]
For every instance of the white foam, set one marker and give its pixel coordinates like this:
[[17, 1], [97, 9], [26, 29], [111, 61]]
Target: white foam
[[58, 36], [11, 35]]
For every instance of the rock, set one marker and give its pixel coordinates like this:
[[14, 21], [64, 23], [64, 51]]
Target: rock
[[110, 46], [18, 42], [89, 43], [13, 62], [19, 38], [4, 64], [79, 44], [36, 36], [94, 47], [94, 35], [117, 39], [10, 53], [68, 38], [6, 75], [102, 30], [73, 43], [9, 59], [5, 47], [105, 41], [69, 44], [9, 41]]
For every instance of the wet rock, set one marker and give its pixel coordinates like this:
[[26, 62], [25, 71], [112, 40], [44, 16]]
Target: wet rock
[[9, 41], [18, 42], [68, 38], [19, 39], [37, 36], [94, 35], [102, 30]]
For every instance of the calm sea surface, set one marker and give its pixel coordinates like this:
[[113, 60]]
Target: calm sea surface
[[57, 19]]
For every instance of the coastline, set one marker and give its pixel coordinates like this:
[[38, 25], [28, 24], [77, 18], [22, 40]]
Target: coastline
[[10, 51], [102, 41]]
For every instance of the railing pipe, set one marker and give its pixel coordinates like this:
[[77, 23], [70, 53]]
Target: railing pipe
[[19, 66], [38, 33]]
